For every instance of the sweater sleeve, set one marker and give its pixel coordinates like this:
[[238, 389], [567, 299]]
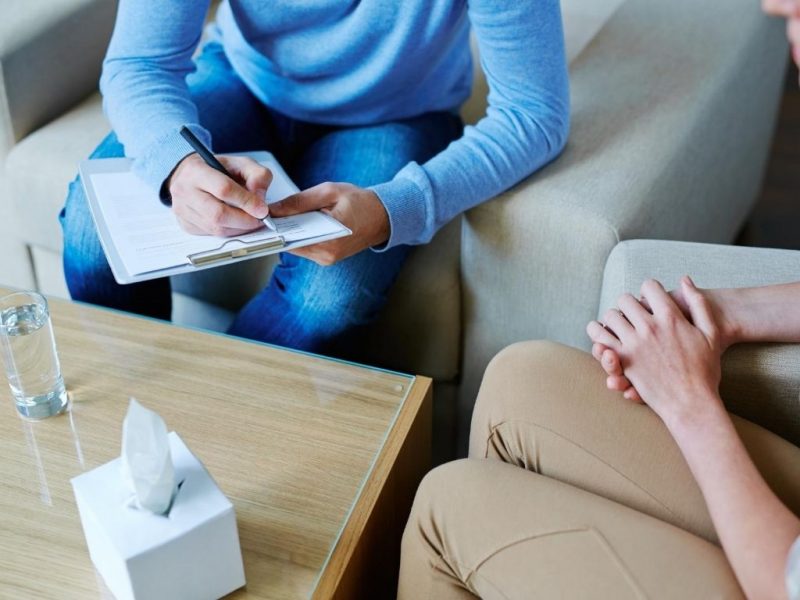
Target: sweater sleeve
[[526, 125], [145, 95]]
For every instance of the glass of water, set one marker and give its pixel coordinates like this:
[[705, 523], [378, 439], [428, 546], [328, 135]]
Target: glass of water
[[29, 355]]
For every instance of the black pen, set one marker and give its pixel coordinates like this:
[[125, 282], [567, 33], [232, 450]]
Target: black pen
[[212, 162]]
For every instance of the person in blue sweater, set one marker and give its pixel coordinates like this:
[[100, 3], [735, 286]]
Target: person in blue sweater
[[358, 101]]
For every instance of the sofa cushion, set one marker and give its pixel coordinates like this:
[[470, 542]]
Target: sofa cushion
[[40, 167], [49, 268], [420, 329], [15, 271], [50, 55]]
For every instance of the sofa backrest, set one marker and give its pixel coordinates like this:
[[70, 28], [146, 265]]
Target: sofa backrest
[[582, 20], [37, 43]]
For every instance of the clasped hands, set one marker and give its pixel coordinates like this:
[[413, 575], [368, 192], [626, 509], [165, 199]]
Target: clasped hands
[[664, 349], [206, 202]]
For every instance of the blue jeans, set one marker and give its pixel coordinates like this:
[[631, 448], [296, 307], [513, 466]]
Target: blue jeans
[[304, 306]]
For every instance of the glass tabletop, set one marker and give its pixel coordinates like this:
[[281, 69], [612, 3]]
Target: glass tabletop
[[290, 438]]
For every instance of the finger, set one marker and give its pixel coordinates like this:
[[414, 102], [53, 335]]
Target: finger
[[793, 30], [324, 254], [303, 252], [600, 335], [781, 8], [677, 298], [217, 218], [231, 193], [611, 363], [659, 301], [597, 351], [190, 220], [617, 384], [699, 308], [633, 395], [638, 316], [643, 301], [616, 322], [315, 198], [254, 176]]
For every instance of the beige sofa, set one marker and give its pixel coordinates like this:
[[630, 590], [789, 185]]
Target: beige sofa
[[673, 110]]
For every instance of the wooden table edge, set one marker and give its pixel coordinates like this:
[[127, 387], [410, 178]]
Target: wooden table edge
[[419, 396]]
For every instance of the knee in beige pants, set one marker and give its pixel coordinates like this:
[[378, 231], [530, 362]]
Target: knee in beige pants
[[528, 382], [488, 529], [545, 407], [498, 531]]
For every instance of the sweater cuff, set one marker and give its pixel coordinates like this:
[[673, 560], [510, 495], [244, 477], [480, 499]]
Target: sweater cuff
[[404, 202], [160, 159]]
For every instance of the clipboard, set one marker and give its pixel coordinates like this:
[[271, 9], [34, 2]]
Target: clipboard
[[142, 240]]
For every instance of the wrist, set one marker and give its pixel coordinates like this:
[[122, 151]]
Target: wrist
[[383, 230], [695, 416], [165, 191], [728, 305]]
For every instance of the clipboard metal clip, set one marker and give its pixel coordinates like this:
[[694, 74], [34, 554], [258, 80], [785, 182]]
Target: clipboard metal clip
[[208, 257]]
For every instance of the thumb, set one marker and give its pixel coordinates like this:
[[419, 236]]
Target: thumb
[[311, 199], [699, 308]]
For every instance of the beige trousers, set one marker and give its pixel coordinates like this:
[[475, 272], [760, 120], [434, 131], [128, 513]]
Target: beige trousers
[[571, 492]]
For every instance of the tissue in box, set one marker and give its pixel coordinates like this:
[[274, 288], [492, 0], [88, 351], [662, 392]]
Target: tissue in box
[[192, 552]]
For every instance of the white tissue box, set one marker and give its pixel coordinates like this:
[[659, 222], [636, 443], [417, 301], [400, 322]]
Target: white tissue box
[[192, 552]]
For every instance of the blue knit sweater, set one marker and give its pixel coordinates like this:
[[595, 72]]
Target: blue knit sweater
[[354, 62]]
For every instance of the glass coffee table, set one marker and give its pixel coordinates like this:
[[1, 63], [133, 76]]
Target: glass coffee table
[[321, 458]]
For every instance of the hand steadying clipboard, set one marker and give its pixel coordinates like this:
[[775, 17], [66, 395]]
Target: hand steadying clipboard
[[142, 239]]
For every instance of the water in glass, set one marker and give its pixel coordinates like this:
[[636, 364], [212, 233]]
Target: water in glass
[[32, 366]]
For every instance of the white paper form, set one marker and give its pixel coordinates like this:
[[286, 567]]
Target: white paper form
[[147, 236]]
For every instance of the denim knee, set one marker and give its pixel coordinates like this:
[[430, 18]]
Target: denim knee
[[314, 308], [83, 253]]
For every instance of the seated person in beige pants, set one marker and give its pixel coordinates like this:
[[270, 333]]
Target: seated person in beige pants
[[587, 496], [572, 491]]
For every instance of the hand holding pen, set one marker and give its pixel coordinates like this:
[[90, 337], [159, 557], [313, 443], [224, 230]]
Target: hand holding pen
[[222, 199]]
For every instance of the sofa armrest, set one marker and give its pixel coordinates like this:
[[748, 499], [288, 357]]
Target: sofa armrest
[[710, 265], [655, 96], [50, 58], [761, 382]]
